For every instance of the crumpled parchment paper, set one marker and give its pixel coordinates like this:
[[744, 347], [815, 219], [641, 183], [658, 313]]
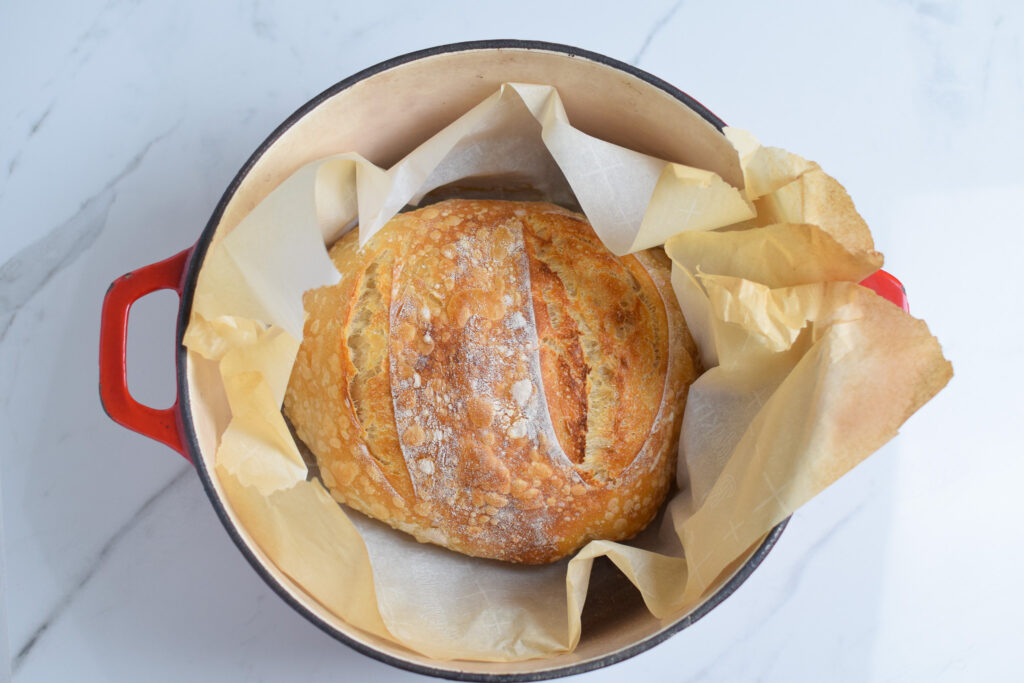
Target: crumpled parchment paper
[[809, 373]]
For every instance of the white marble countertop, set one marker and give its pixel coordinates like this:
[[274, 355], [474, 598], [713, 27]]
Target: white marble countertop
[[123, 122]]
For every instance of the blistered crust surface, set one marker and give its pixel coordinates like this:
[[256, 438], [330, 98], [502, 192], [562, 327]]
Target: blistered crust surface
[[488, 377]]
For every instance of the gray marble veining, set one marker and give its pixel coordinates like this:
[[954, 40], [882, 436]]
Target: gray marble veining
[[125, 121], [658, 26], [27, 272], [66, 600]]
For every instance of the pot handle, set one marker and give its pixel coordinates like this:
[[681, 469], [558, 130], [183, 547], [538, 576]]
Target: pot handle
[[161, 425], [887, 287]]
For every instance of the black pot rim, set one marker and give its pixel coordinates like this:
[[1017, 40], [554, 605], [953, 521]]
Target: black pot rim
[[185, 409]]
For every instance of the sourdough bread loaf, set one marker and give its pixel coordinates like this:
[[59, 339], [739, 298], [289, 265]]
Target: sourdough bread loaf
[[488, 377]]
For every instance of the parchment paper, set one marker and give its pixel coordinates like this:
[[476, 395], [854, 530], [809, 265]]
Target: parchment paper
[[809, 372]]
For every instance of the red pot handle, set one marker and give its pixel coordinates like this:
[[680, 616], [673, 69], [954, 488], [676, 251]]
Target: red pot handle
[[888, 287], [164, 425], [161, 425]]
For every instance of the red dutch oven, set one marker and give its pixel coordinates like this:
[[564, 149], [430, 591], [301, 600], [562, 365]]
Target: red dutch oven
[[383, 112]]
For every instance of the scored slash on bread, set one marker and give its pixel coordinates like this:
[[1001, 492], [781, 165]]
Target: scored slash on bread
[[487, 376]]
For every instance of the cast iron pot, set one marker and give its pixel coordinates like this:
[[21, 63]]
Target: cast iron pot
[[383, 112]]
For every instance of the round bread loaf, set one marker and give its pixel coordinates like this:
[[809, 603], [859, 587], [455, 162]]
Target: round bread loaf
[[488, 377]]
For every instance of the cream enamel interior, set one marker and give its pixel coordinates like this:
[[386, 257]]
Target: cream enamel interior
[[385, 116]]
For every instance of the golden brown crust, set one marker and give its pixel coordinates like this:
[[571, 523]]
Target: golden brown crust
[[487, 376]]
